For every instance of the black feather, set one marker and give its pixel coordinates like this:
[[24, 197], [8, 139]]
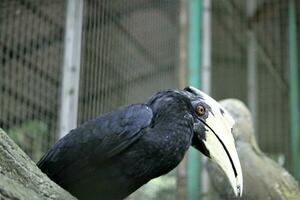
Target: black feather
[[113, 155]]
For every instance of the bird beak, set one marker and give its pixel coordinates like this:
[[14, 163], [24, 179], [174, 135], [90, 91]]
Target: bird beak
[[219, 142]]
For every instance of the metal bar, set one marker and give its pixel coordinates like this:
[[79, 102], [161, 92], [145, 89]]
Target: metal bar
[[183, 43], [206, 46], [206, 78], [181, 189], [194, 65], [294, 101], [251, 77], [71, 67], [252, 66]]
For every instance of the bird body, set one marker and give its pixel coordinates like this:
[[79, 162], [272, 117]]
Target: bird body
[[150, 146], [113, 155]]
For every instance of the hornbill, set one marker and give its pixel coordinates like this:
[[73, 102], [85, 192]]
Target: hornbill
[[263, 178], [113, 155]]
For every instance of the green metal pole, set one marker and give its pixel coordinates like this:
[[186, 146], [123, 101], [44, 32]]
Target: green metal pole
[[294, 101], [194, 64]]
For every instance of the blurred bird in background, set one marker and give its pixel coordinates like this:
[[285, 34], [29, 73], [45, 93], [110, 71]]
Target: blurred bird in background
[[263, 178]]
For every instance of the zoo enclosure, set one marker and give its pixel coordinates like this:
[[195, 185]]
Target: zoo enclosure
[[130, 49]]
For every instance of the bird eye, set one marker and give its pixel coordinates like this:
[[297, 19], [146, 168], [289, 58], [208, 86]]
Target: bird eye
[[200, 110]]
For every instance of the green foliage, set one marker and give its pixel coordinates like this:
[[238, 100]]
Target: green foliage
[[162, 188], [30, 137]]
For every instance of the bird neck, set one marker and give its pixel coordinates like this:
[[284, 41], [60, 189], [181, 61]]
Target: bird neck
[[172, 126]]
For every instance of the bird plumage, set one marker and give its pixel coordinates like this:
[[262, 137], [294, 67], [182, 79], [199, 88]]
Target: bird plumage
[[113, 155]]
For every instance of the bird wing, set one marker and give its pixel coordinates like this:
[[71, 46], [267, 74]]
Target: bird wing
[[96, 140]]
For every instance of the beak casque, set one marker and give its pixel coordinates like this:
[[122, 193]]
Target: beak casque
[[219, 141]]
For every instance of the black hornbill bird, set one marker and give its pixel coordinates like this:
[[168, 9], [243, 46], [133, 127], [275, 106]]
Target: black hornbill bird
[[113, 155]]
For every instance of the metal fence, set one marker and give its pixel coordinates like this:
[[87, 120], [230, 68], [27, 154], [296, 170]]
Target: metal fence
[[250, 61], [31, 54], [129, 50], [125, 57]]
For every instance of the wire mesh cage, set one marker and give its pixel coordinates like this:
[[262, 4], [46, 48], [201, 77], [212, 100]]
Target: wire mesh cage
[[233, 27], [31, 43], [130, 50], [126, 57]]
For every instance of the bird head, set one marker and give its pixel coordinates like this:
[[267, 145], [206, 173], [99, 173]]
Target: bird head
[[213, 135]]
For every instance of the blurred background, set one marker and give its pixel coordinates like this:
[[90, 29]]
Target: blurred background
[[63, 62]]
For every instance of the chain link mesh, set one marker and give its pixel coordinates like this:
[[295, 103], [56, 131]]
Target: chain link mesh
[[31, 46], [130, 49], [230, 33]]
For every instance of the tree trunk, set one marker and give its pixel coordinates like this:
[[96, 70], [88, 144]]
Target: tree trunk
[[20, 178]]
